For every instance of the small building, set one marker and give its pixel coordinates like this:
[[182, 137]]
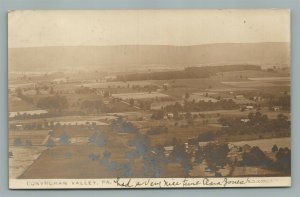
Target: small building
[[239, 97], [276, 108], [186, 145], [59, 80], [233, 148], [168, 150], [203, 144], [245, 120], [246, 148], [249, 107], [235, 156], [170, 115], [19, 127]]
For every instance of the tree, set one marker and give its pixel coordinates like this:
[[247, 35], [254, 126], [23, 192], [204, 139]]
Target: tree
[[179, 155], [274, 148], [64, 139], [50, 143], [256, 157], [128, 127], [92, 106], [158, 115], [131, 102], [216, 155], [98, 139], [187, 95], [17, 142], [283, 160], [19, 92], [53, 102], [154, 162], [207, 136], [51, 90], [141, 144]]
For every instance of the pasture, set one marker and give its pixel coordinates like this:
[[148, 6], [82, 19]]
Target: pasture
[[25, 147], [16, 104]]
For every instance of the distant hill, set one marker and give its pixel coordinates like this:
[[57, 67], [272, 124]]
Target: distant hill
[[138, 57]]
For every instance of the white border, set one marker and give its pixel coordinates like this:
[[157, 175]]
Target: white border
[[132, 183]]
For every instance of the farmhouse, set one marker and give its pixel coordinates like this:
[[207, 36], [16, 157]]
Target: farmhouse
[[59, 80], [19, 127], [165, 85], [276, 108], [168, 150], [245, 120], [239, 97], [170, 115], [202, 144], [249, 107]]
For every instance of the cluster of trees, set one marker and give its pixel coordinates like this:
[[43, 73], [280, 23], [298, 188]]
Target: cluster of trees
[[20, 142], [158, 115], [146, 105], [181, 156], [215, 155], [256, 157], [19, 93], [85, 90], [190, 106], [283, 160], [123, 126], [56, 102], [184, 74], [155, 162], [282, 101], [98, 139], [207, 136], [146, 88], [93, 106], [157, 130], [187, 73], [256, 123], [153, 158], [64, 139], [225, 68]]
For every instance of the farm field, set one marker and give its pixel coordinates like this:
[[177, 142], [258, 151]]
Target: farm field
[[115, 128], [16, 104], [24, 149], [22, 159]]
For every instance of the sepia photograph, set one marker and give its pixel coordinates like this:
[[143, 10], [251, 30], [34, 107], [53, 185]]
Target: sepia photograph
[[149, 98]]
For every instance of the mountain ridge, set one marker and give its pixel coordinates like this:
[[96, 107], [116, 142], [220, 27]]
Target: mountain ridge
[[131, 57]]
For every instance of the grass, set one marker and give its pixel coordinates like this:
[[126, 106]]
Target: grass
[[37, 137], [16, 104]]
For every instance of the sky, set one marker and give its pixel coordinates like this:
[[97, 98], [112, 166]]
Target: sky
[[151, 27]]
